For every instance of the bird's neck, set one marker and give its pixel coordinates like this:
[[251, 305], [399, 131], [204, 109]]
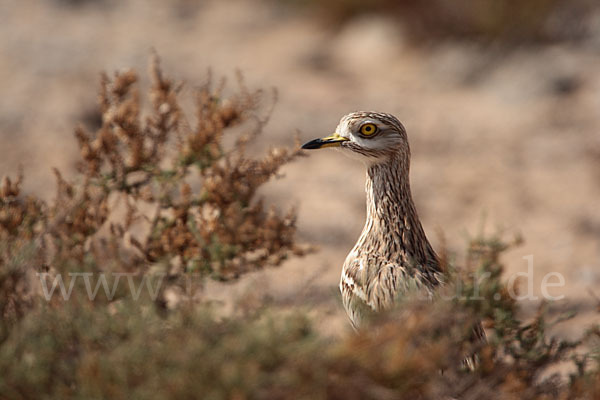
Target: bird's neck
[[393, 229]]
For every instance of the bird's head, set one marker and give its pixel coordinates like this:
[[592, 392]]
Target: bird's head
[[372, 136]]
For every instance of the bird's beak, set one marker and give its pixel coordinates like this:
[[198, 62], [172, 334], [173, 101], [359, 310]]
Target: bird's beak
[[334, 140]]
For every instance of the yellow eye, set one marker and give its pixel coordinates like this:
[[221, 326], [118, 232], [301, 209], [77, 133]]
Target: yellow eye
[[368, 129]]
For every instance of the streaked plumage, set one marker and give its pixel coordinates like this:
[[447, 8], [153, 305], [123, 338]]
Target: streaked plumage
[[392, 254]]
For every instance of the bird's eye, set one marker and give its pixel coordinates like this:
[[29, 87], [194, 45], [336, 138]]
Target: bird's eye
[[368, 129]]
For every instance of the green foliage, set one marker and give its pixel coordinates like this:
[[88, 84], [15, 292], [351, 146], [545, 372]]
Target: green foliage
[[128, 351], [133, 349]]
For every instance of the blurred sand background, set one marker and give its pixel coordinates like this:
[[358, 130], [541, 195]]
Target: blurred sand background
[[509, 140]]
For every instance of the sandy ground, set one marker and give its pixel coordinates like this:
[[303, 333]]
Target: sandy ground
[[505, 140]]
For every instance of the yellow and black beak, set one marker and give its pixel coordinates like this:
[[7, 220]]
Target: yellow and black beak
[[334, 140]]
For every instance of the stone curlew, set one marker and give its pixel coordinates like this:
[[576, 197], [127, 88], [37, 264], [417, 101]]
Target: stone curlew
[[392, 253]]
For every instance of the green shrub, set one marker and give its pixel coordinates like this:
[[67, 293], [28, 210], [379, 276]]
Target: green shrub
[[130, 349]]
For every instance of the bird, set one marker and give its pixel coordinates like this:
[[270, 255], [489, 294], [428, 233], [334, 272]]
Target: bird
[[392, 254]]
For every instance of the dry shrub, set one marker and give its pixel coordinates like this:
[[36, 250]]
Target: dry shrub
[[152, 194], [21, 219], [218, 228]]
